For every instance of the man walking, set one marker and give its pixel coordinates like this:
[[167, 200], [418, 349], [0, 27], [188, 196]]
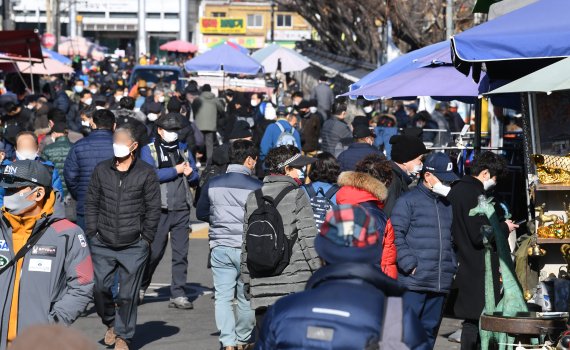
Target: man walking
[[122, 212], [222, 205], [324, 96], [207, 111], [45, 265], [176, 170], [335, 132]]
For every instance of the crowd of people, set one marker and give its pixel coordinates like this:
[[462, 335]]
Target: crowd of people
[[304, 202]]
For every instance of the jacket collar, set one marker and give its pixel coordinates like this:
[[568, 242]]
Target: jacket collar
[[360, 145], [114, 164], [401, 174], [364, 182], [97, 132], [238, 168], [423, 188], [472, 180], [280, 178], [356, 272]]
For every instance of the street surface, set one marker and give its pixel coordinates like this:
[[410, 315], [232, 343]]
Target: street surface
[[161, 328]]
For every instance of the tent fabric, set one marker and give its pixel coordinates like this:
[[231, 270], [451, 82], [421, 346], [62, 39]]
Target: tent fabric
[[407, 62], [224, 58], [270, 56], [56, 56], [18, 42], [539, 31], [49, 66], [80, 46], [179, 46], [555, 77], [438, 81]]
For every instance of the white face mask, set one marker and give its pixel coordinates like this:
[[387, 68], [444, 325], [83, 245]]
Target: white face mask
[[121, 151], [313, 110], [161, 99], [26, 155], [30, 107], [88, 101], [118, 98], [93, 91], [441, 189], [416, 170], [85, 123], [152, 116], [367, 109], [78, 88], [169, 136], [488, 184], [19, 202], [254, 103]]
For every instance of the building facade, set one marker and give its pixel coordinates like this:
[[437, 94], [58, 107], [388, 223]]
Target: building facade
[[112, 23], [248, 23]]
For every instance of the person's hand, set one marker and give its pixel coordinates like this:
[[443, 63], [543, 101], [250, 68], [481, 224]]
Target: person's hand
[[512, 226], [187, 169], [180, 168]]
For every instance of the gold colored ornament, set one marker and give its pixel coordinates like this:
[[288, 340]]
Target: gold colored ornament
[[558, 230], [552, 169], [544, 232], [527, 295]]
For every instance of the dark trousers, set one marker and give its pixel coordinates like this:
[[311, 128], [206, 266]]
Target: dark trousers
[[429, 308], [175, 222], [470, 335], [81, 221], [209, 138], [128, 264]]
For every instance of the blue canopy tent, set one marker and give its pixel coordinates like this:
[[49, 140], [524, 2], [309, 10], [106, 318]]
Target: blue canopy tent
[[412, 60], [515, 44], [56, 56], [226, 59]]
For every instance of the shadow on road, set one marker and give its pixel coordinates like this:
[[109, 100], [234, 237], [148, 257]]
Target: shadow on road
[[152, 331]]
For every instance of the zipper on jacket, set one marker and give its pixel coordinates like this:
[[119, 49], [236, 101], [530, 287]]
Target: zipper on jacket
[[440, 247], [119, 191]]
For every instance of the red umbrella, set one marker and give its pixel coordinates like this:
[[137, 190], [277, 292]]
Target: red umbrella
[[179, 46]]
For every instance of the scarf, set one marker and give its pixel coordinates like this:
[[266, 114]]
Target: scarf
[[167, 152]]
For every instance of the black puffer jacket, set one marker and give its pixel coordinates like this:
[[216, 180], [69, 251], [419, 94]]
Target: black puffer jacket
[[122, 207]]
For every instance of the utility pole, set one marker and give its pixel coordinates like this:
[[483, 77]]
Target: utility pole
[[272, 21], [7, 23], [449, 19], [142, 28], [184, 20], [49, 17], [72, 18], [56, 23]]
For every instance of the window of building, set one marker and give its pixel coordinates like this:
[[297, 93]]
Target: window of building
[[254, 21], [123, 15], [171, 16], [94, 14], [284, 21], [218, 14], [153, 15]]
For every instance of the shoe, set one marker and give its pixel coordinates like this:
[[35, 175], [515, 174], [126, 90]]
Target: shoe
[[141, 296], [180, 303], [455, 337], [121, 344], [249, 346], [110, 336]]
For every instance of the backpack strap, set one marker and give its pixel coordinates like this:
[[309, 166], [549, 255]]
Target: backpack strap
[[280, 196], [392, 329], [310, 190], [280, 127], [259, 197], [331, 192]]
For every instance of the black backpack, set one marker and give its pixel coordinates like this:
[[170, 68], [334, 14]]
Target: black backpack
[[321, 202], [268, 249]]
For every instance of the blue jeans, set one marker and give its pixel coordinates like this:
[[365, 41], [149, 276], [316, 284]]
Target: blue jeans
[[226, 270], [429, 308], [383, 135]]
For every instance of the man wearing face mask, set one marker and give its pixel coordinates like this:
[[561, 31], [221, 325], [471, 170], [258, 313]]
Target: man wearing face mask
[[52, 279], [310, 128], [422, 226], [121, 213], [407, 152], [362, 146], [257, 107], [74, 115], [85, 155], [486, 168], [176, 170], [27, 149]]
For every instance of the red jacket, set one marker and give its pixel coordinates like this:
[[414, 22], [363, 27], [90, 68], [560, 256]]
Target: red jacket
[[357, 188]]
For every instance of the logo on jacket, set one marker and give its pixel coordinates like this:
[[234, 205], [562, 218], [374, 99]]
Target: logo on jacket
[[44, 250], [82, 240], [4, 246], [3, 261]]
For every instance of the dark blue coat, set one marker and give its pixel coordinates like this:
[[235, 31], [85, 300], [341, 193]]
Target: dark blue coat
[[422, 226], [82, 160], [354, 154], [347, 299]]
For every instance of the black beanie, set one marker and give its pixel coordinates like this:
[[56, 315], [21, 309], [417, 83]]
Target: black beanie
[[406, 148]]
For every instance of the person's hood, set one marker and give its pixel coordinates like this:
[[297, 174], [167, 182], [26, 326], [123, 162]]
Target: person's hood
[[359, 187], [124, 113], [207, 95], [356, 272]]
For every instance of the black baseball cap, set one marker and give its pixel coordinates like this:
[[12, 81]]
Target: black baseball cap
[[361, 131], [441, 166], [24, 173]]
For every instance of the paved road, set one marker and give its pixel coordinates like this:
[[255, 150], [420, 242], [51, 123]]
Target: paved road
[[161, 328]]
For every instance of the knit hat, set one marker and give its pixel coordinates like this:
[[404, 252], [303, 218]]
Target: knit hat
[[406, 148], [241, 130], [349, 234], [170, 122]]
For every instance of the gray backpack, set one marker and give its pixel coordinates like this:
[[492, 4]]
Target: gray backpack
[[286, 137]]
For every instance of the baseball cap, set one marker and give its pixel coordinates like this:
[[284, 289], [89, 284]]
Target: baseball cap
[[441, 166], [361, 131], [349, 234], [24, 173]]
